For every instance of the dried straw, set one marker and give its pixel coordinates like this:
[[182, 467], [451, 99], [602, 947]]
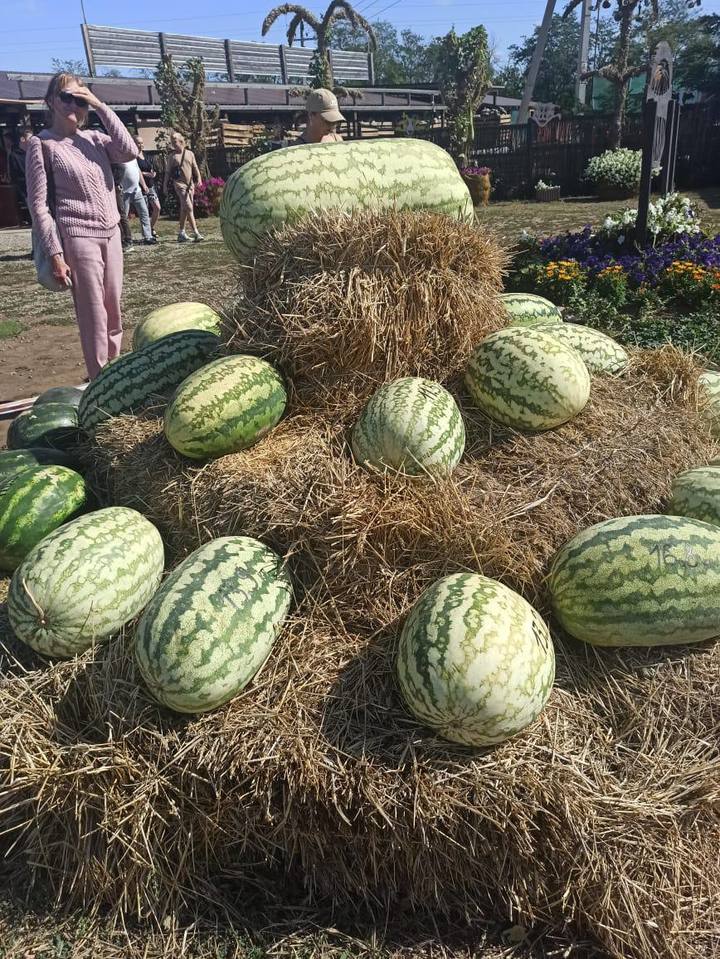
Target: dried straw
[[603, 815], [344, 302]]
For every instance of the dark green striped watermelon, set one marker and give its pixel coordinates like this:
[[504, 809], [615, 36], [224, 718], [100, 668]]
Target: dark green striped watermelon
[[212, 624], [69, 395], [51, 425], [13, 462], [33, 504], [133, 379]]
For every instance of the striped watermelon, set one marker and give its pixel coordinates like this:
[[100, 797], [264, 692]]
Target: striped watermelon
[[172, 319], [33, 504], [212, 624], [226, 406], [709, 386], [476, 662], [133, 379], [13, 462], [526, 309], [50, 425], [527, 379], [600, 353], [284, 185], [68, 395], [83, 582], [413, 425], [696, 493], [639, 581]]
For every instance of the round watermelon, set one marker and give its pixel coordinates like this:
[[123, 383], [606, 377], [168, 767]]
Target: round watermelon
[[51, 425], [13, 462], [68, 395], [526, 309], [475, 662], [34, 503], [412, 425], [172, 319], [600, 353], [527, 379], [224, 407]]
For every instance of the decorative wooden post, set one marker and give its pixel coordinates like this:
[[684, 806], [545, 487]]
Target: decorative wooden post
[[658, 97]]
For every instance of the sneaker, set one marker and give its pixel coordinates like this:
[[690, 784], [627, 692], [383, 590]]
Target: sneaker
[[198, 237], [182, 238], [156, 235], [128, 248], [151, 241]]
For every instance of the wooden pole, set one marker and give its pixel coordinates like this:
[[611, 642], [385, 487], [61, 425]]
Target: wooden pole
[[583, 53], [88, 49], [649, 115], [666, 160], [534, 67]]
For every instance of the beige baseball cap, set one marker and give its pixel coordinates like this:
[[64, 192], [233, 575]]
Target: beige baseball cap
[[325, 103]]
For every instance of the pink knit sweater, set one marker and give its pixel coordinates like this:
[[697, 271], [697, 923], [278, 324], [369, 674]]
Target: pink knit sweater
[[85, 203]]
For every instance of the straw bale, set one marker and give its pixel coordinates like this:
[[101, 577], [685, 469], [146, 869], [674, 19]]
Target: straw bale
[[602, 815], [344, 302]]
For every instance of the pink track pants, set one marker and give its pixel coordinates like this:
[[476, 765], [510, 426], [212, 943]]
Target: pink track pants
[[96, 267]]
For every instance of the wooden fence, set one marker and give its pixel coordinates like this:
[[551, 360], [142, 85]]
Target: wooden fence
[[521, 154]]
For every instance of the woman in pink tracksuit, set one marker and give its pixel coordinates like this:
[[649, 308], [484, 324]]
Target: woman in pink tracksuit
[[77, 217]]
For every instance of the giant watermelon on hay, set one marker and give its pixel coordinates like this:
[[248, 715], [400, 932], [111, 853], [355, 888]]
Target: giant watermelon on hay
[[596, 815]]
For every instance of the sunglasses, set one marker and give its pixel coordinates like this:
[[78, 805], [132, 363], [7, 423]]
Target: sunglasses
[[69, 98]]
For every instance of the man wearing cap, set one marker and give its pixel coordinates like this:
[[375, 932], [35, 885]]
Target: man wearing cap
[[323, 117]]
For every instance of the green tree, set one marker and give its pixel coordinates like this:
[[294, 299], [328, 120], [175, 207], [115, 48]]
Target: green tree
[[463, 74], [182, 98], [404, 57], [320, 69], [698, 61]]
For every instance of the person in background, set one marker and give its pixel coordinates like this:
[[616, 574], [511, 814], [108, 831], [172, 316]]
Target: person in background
[[183, 171], [133, 189], [126, 237], [323, 117], [149, 174], [15, 149], [80, 233]]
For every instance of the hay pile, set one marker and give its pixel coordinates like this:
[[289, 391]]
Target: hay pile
[[602, 816]]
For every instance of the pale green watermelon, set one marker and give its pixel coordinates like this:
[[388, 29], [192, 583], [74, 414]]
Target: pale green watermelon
[[709, 388], [476, 662], [212, 624], [172, 319], [526, 309], [527, 379], [224, 407], [84, 581], [696, 493], [282, 186], [639, 581], [413, 425], [600, 353]]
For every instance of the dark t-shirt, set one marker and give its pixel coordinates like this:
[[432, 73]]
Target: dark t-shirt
[[146, 167]]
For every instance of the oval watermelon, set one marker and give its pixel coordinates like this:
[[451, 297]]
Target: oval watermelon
[[224, 407], [68, 395], [709, 388], [132, 379], [34, 503], [172, 319], [526, 309], [84, 581], [696, 493], [600, 353], [413, 425], [476, 662], [13, 462], [639, 581], [50, 425], [212, 624], [527, 379], [406, 174]]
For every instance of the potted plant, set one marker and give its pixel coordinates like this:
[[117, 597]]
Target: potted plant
[[615, 174], [547, 192], [478, 183]]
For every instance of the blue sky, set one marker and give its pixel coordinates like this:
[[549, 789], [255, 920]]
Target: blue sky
[[35, 31]]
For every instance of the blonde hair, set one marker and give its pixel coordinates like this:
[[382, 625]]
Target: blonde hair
[[57, 84], [181, 138]]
